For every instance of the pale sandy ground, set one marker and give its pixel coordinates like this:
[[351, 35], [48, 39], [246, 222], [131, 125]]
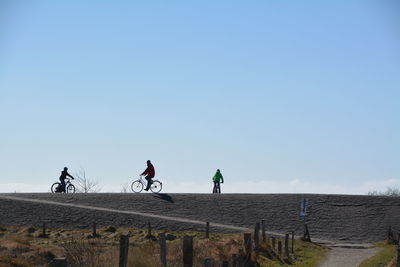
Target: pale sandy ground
[[344, 255]]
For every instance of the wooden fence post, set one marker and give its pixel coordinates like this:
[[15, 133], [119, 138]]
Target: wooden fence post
[[306, 236], [235, 260], [247, 248], [241, 255], [280, 247], [390, 235], [94, 234], [43, 234], [273, 240], [398, 250], [207, 229], [256, 236], [187, 251], [287, 245], [148, 229], [207, 263], [292, 242], [163, 249], [123, 250], [264, 237], [247, 243]]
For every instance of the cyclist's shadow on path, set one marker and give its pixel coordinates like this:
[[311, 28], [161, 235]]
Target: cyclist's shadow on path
[[165, 197]]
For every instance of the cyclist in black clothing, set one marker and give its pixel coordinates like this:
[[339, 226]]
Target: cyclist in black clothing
[[63, 176]]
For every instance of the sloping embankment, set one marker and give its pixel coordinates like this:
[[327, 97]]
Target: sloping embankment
[[333, 217]]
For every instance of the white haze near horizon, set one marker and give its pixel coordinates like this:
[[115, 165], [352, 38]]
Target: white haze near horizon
[[266, 186]]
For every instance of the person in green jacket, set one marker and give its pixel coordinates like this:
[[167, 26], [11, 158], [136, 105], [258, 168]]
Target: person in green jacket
[[217, 179]]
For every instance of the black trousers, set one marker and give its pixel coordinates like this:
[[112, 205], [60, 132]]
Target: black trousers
[[217, 188], [62, 189], [149, 182]]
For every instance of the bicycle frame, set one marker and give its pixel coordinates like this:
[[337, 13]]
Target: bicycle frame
[[67, 183], [143, 180], [155, 186]]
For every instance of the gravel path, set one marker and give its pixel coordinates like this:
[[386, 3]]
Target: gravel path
[[342, 218], [344, 255]]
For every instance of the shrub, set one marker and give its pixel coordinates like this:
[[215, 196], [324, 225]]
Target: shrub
[[390, 191]]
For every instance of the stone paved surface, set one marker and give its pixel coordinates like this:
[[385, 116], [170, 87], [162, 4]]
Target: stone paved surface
[[343, 218]]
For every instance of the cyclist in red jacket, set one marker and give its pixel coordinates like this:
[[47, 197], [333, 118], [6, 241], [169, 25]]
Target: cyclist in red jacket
[[150, 173]]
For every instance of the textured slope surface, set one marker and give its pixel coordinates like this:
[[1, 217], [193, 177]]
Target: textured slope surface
[[333, 217]]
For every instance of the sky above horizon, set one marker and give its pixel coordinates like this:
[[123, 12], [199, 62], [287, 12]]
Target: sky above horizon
[[282, 96]]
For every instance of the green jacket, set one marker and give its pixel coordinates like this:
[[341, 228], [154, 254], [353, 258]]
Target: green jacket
[[218, 177]]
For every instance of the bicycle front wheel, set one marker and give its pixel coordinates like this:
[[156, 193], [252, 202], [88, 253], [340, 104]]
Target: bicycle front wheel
[[156, 186], [54, 187], [70, 189], [137, 186]]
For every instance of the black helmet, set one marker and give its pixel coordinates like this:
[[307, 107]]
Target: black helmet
[[65, 169]]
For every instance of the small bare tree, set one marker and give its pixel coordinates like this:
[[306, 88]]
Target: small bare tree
[[125, 188], [84, 184]]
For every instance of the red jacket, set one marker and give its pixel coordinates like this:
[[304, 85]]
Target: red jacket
[[150, 170]]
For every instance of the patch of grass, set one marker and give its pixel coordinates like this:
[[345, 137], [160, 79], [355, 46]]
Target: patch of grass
[[309, 254], [383, 258], [111, 229], [31, 230], [10, 261], [306, 254]]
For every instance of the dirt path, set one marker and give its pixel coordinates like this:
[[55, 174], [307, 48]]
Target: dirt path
[[345, 255]]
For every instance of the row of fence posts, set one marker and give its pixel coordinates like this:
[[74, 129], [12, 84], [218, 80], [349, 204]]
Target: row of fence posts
[[44, 233], [391, 240], [188, 246], [398, 250], [242, 258]]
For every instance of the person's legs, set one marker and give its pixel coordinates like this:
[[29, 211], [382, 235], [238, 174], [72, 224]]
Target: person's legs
[[149, 182], [219, 187], [215, 188], [62, 189]]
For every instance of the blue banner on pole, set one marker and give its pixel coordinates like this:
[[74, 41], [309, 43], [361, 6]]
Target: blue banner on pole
[[303, 208]]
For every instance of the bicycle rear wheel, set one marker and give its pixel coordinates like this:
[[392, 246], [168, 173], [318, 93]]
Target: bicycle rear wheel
[[137, 186], [70, 189], [54, 187], [156, 186]]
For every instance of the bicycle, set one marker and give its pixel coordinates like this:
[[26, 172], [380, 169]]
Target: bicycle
[[69, 187], [137, 186]]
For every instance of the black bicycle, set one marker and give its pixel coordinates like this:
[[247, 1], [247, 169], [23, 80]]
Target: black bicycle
[[69, 187]]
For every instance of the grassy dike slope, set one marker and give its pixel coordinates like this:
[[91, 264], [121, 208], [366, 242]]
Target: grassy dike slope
[[344, 218]]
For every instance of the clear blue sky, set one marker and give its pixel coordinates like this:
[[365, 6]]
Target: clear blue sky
[[282, 96]]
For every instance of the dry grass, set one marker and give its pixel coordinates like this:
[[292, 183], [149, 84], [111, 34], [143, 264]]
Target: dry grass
[[23, 248], [386, 256]]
